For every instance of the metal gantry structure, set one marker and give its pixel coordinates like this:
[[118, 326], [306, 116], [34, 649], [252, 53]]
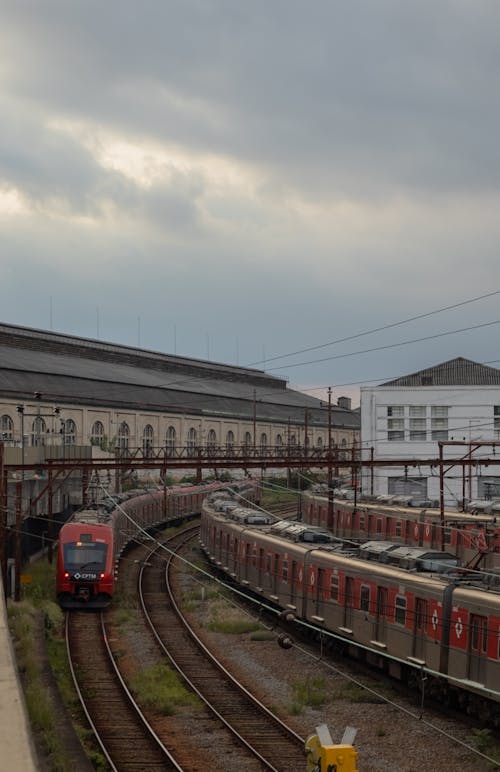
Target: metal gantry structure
[[210, 458]]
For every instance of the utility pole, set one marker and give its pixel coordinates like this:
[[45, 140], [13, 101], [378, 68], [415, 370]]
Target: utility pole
[[330, 462]]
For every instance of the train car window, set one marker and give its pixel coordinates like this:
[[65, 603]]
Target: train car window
[[398, 528], [334, 587], [284, 571], [364, 598], [254, 555], [400, 610], [268, 564], [361, 522], [447, 535], [498, 644], [379, 525]]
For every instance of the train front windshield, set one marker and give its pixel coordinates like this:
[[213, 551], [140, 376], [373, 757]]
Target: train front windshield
[[90, 557]]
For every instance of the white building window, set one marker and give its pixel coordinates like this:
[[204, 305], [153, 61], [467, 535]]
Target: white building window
[[191, 442], [439, 422], [396, 423], [496, 421], [148, 440], [170, 439], [6, 428], [230, 441], [38, 431], [123, 435], [69, 432], [97, 434]]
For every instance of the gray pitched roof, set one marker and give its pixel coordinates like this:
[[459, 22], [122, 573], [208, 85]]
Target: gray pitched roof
[[66, 369], [454, 372]]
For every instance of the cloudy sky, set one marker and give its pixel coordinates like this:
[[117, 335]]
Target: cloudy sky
[[239, 181]]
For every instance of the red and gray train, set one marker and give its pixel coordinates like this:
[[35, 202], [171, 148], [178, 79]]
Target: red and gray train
[[93, 540], [473, 536], [410, 610]]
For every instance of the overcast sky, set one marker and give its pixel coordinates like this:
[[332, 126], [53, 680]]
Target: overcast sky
[[241, 180]]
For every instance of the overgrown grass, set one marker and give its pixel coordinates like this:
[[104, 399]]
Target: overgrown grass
[[485, 742], [160, 688], [23, 619], [311, 692]]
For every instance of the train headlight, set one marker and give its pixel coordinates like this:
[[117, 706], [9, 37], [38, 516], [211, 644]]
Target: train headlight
[[66, 575], [101, 576]]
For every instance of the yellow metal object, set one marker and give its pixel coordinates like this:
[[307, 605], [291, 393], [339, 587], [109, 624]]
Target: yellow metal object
[[324, 756]]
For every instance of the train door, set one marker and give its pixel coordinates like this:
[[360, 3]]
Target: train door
[[261, 566], [275, 572], [320, 589], [478, 645], [381, 614], [348, 601], [420, 628], [293, 581], [247, 559]]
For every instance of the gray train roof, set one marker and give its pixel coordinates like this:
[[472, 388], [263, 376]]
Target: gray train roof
[[69, 369]]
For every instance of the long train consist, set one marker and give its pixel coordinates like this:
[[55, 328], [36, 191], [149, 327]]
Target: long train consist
[[413, 614], [474, 537], [93, 540]]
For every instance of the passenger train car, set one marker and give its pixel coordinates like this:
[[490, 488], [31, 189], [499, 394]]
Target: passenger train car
[[409, 611], [474, 537], [93, 540]]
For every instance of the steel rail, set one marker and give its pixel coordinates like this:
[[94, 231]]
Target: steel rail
[[284, 730]]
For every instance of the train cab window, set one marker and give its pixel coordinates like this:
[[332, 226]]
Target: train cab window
[[364, 598], [400, 610], [334, 587], [84, 555]]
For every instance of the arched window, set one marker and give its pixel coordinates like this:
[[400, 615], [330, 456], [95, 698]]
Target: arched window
[[148, 441], [279, 440], [230, 441], [6, 428], [263, 442], [38, 431], [319, 443], [211, 440], [191, 442], [170, 441], [247, 440], [69, 432], [97, 434], [293, 440], [123, 436]]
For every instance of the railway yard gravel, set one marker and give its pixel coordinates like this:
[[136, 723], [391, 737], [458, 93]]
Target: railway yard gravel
[[301, 689]]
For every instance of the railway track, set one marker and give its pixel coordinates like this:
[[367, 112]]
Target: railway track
[[122, 731], [256, 728]]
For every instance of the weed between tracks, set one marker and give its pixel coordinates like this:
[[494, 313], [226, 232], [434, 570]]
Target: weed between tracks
[[160, 688]]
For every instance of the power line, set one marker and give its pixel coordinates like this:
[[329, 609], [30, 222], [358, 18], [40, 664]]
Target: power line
[[389, 345], [378, 329]]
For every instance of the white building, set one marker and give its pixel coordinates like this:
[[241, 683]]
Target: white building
[[458, 401]]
